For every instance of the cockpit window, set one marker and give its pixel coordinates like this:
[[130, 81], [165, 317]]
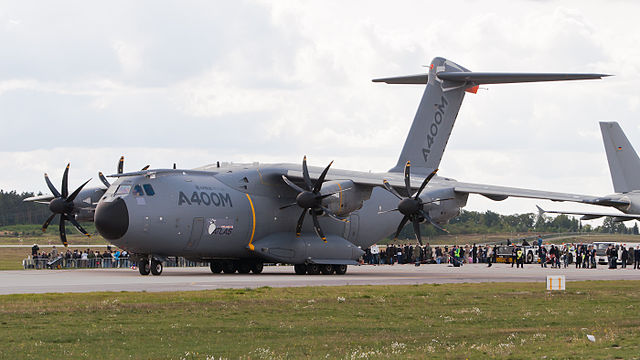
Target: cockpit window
[[123, 189], [148, 189], [137, 190]]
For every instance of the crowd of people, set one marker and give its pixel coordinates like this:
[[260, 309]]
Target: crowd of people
[[417, 254], [75, 258]]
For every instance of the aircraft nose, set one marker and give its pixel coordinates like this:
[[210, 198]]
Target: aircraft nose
[[112, 219]]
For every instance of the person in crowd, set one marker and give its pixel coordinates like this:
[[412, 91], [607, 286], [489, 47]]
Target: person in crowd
[[636, 257], [34, 250], [438, 255], [428, 253], [474, 254], [625, 257], [592, 256], [519, 258], [490, 255], [417, 252], [542, 254], [375, 253]]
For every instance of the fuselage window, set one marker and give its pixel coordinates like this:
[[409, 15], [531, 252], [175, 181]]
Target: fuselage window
[[123, 189], [137, 190], [148, 189]]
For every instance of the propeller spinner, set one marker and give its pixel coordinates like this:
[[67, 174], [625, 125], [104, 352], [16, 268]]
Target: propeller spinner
[[412, 207], [62, 205]]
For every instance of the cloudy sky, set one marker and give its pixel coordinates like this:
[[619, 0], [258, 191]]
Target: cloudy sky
[[193, 82]]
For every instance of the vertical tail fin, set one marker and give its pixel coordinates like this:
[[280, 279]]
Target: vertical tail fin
[[446, 84], [624, 163]]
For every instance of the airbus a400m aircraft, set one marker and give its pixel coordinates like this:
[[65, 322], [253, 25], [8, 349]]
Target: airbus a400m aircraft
[[239, 216]]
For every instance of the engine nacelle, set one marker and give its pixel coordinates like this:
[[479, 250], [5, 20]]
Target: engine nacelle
[[634, 203], [346, 201], [85, 215]]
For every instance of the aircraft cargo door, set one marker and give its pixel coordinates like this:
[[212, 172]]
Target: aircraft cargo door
[[351, 228], [196, 233]]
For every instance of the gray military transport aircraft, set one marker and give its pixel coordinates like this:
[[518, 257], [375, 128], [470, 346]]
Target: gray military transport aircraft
[[624, 166], [237, 216]]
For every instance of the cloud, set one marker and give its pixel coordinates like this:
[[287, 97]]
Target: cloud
[[266, 81]]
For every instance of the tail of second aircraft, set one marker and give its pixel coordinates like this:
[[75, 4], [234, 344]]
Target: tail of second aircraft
[[624, 163], [446, 85]]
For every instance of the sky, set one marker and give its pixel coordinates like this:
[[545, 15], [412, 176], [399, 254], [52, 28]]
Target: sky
[[194, 82]]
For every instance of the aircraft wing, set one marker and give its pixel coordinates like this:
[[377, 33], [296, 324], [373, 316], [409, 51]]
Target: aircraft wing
[[589, 215], [498, 193]]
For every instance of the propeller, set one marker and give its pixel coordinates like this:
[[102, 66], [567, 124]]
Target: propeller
[[120, 171], [412, 207], [310, 199], [62, 204]]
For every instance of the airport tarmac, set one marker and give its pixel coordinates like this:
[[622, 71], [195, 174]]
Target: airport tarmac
[[200, 278]]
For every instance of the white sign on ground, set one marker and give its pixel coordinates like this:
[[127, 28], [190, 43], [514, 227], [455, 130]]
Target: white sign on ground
[[555, 282]]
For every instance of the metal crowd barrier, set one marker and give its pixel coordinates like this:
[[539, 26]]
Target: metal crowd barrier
[[100, 263]]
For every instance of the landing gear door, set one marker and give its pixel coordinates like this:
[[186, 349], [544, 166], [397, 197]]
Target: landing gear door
[[196, 233]]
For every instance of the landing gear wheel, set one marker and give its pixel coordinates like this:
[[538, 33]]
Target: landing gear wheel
[[340, 269], [216, 267], [156, 267], [144, 267], [229, 267], [326, 269], [244, 267], [257, 267], [313, 269], [300, 269]]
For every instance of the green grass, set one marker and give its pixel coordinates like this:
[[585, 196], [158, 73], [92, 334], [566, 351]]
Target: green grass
[[456, 321]]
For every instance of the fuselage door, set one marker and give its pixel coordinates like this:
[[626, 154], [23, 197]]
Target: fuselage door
[[196, 233]]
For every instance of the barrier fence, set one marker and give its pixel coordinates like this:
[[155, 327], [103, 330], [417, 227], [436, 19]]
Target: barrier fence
[[100, 263]]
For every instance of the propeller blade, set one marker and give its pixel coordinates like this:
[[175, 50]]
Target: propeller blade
[[416, 230], [65, 182], [292, 185], [402, 224], [318, 184], [52, 188], [75, 193], [104, 179], [387, 211], [78, 226], [63, 235], [300, 221], [305, 173], [288, 205], [428, 218], [316, 226], [391, 189], [145, 168], [47, 222], [407, 177], [121, 165], [332, 215], [424, 183]]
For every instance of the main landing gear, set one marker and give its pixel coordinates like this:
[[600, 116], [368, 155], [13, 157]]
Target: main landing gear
[[233, 266], [316, 269], [145, 267]]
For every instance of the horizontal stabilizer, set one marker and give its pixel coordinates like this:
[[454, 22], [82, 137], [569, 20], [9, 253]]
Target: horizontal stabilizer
[[480, 78], [409, 79]]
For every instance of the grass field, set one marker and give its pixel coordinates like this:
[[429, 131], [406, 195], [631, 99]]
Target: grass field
[[457, 321]]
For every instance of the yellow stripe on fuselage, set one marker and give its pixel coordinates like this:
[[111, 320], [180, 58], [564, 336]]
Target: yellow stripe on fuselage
[[253, 227]]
